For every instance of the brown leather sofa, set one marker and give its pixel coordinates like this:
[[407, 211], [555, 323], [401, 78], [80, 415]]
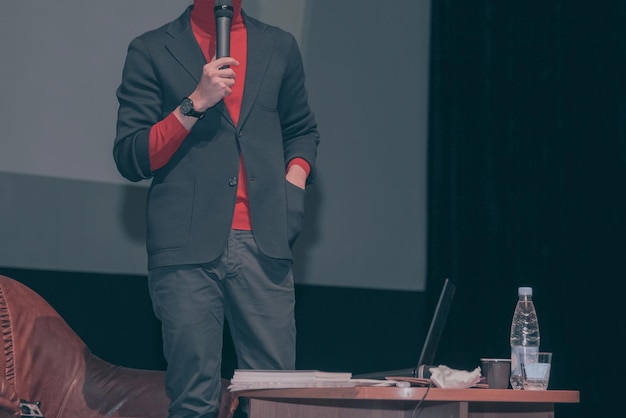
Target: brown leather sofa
[[45, 361]]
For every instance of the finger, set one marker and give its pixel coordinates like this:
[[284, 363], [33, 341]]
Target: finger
[[225, 61], [227, 84], [227, 73]]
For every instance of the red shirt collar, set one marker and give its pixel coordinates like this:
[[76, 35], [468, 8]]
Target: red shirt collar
[[203, 17]]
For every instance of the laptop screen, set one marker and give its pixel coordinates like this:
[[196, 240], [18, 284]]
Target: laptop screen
[[429, 349], [437, 324]]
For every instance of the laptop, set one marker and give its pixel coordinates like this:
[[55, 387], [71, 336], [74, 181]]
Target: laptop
[[429, 348]]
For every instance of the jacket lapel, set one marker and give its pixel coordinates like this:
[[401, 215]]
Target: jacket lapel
[[191, 59], [260, 45]]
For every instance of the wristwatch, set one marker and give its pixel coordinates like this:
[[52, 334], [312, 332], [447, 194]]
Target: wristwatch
[[186, 108]]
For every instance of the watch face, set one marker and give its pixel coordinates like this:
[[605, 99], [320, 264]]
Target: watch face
[[186, 106]]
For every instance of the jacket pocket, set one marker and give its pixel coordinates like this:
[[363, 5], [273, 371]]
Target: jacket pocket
[[169, 213]]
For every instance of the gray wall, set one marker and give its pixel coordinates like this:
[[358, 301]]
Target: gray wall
[[64, 207]]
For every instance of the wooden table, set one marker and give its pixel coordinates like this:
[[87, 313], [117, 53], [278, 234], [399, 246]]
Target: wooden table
[[395, 402]]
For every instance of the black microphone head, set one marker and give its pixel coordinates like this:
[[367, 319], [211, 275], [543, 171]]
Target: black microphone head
[[223, 8]]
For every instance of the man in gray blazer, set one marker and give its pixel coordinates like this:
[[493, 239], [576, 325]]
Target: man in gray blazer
[[230, 145]]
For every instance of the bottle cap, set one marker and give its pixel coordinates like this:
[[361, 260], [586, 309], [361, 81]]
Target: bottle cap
[[525, 291]]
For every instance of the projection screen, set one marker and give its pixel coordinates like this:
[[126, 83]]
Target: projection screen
[[64, 206]]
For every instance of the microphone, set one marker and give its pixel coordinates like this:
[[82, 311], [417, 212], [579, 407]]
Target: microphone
[[223, 19]]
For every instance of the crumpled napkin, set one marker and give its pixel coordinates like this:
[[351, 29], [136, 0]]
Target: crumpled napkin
[[445, 377]]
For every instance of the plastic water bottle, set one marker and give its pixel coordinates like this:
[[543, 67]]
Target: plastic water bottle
[[524, 334]]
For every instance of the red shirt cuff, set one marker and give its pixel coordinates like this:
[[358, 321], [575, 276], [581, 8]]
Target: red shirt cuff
[[300, 162], [165, 138]]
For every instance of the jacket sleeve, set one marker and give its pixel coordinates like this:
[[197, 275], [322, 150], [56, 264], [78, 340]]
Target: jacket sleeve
[[299, 129], [139, 97]]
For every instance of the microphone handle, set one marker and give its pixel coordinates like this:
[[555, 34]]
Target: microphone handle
[[223, 37]]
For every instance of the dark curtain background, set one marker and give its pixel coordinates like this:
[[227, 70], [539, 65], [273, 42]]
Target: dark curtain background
[[527, 183]]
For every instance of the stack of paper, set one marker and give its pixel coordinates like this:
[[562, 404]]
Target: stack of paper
[[270, 379]]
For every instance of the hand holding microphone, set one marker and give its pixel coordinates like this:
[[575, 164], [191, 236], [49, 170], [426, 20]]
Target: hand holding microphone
[[216, 83]]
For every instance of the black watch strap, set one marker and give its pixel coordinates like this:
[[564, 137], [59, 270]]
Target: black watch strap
[[187, 109]]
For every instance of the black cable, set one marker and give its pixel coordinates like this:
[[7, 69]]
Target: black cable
[[417, 411]]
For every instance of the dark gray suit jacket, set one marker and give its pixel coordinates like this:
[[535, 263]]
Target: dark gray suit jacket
[[191, 199]]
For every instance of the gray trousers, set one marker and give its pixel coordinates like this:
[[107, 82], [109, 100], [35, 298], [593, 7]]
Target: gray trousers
[[253, 292]]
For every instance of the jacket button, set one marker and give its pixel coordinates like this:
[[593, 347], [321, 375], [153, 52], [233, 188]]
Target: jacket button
[[232, 181]]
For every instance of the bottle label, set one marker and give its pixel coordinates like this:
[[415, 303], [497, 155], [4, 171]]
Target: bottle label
[[522, 355]]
